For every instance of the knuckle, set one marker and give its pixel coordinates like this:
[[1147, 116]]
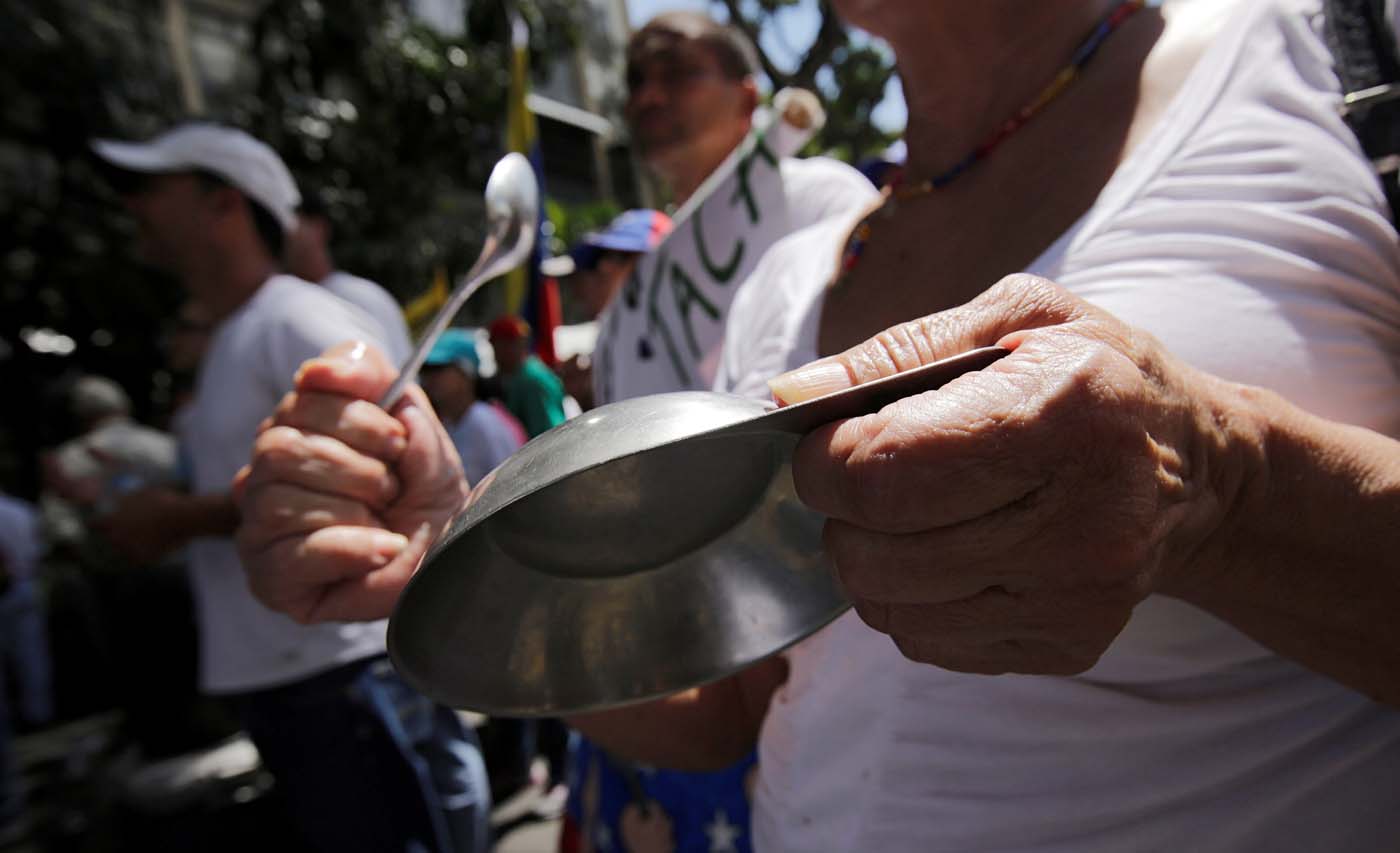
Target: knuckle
[[877, 483], [1026, 289], [923, 650], [278, 446], [1119, 565], [874, 615], [954, 618]]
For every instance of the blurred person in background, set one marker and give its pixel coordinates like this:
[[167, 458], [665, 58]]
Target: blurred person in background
[[23, 651], [651, 810], [112, 455], [1156, 610], [691, 97], [532, 392], [600, 263], [691, 101], [363, 761], [185, 343], [596, 269], [97, 481], [309, 257], [484, 435]]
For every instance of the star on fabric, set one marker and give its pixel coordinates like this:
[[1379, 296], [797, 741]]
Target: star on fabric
[[722, 834]]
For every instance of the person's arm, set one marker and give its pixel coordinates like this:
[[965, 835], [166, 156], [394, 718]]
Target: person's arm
[[340, 502], [150, 523], [1010, 521], [1307, 558], [703, 729]]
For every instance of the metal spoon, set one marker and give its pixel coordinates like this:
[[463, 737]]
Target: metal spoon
[[512, 216], [644, 547]]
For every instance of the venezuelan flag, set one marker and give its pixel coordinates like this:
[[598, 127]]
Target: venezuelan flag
[[528, 293]]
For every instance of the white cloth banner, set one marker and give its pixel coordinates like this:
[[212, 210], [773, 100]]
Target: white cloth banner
[[664, 331]]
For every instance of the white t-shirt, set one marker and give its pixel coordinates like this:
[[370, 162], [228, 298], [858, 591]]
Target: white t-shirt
[[1247, 234], [819, 188], [664, 331], [483, 439], [377, 303], [249, 366]]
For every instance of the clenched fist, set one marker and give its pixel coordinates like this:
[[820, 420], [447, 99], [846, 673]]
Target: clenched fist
[[1011, 520], [341, 498]]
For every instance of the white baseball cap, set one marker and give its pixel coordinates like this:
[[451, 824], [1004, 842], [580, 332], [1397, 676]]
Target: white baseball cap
[[246, 163]]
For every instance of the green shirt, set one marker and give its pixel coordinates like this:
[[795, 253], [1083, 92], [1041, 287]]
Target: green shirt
[[535, 395]]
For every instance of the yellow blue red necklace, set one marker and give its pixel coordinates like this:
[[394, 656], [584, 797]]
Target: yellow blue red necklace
[[897, 192]]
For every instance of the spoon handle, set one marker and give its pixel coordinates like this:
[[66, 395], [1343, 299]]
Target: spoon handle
[[873, 396], [468, 285]]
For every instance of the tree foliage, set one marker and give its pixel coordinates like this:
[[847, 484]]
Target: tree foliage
[[847, 69], [396, 123]]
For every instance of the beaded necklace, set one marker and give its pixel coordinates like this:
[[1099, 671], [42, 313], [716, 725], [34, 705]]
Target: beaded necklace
[[896, 192]]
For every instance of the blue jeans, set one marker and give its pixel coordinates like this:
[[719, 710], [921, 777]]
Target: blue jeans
[[24, 649], [364, 762]]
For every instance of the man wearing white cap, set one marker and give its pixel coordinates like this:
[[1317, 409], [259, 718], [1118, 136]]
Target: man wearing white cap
[[364, 762]]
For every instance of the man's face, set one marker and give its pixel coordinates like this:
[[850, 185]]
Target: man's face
[[510, 353], [449, 389], [596, 287], [681, 104], [173, 213]]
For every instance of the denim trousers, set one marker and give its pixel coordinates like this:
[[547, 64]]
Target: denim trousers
[[24, 652], [364, 762]]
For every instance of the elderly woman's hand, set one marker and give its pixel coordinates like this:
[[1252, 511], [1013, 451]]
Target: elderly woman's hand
[[341, 499], [1010, 521]]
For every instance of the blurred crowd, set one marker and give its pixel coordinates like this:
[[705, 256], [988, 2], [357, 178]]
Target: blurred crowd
[[231, 570], [223, 705]]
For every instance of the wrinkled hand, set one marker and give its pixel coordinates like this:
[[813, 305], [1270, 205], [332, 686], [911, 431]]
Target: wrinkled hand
[[1010, 521], [145, 525], [342, 499]]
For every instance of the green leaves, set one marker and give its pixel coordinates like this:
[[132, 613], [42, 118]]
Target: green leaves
[[845, 68]]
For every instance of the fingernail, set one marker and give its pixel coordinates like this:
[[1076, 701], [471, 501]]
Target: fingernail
[[397, 444], [388, 544], [810, 381]]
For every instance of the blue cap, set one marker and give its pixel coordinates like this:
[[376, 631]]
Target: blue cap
[[636, 231], [457, 347]]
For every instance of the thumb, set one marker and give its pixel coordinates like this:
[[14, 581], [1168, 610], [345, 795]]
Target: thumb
[[351, 369], [1015, 304]]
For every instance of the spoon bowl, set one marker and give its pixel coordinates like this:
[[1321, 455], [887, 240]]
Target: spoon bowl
[[646, 546], [512, 199]]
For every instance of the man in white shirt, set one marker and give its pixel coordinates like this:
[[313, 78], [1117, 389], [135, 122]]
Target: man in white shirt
[[1137, 602], [691, 100], [309, 258], [364, 761]]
